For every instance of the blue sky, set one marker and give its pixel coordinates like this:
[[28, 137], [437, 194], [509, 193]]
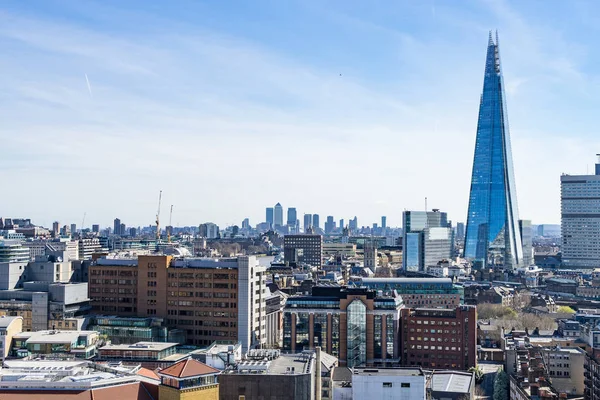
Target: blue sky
[[339, 108]]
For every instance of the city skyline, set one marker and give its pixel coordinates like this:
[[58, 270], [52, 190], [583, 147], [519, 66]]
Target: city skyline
[[171, 111]]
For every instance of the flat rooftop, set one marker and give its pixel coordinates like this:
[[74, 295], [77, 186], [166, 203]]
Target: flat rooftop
[[53, 336], [389, 371], [139, 346], [452, 382]]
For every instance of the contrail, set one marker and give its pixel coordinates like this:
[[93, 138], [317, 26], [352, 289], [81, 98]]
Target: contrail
[[88, 84]]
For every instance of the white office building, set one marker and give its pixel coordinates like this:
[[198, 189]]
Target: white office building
[[580, 218]]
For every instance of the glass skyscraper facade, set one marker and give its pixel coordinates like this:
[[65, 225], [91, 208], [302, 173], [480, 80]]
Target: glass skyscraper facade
[[492, 235]]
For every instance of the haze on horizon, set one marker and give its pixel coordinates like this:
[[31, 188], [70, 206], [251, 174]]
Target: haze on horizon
[[350, 108]]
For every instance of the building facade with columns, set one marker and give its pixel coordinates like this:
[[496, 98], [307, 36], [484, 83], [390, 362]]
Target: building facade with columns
[[355, 325]]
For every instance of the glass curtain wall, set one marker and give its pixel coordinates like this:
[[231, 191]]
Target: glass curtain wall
[[357, 333]]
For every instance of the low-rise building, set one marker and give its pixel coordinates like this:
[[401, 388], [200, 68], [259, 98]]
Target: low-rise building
[[57, 344], [219, 356], [419, 292], [148, 354], [281, 376], [189, 379], [389, 383], [80, 379]]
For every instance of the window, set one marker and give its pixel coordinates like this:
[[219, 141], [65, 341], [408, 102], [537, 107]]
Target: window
[[387, 384], [405, 385]]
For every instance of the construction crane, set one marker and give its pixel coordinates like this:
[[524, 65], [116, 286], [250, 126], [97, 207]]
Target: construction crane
[[158, 218], [170, 224]]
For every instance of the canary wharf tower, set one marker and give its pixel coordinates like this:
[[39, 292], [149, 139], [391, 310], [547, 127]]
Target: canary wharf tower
[[492, 237]]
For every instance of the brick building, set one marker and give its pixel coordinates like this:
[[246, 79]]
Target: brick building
[[439, 338], [208, 299]]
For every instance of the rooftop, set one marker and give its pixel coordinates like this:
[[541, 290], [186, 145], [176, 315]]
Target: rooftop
[[389, 371], [6, 321], [140, 346], [454, 382], [53, 336], [188, 368], [284, 364]]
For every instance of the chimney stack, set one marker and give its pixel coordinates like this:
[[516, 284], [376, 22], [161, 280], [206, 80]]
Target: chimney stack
[[318, 373]]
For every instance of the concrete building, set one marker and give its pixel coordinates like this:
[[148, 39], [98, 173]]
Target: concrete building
[[371, 259], [307, 249], [352, 324], [345, 250], [565, 366], [419, 292], [439, 338], [209, 299], [275, 303], [209, 231], [526, 231], [89, 247], [389, 383], [219, 356], [580, 220], [148, 354], [267, 374], [9, 326], [13, 251]]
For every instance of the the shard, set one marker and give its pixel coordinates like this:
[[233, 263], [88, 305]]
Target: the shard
[[492, 235]]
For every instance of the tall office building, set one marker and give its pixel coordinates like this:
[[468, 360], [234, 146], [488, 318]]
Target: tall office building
[[315, 221], [307, 249], [278, 215], [492, 235], [460, 230], [383, 222], [292, 216], [270, 217], [307, 222], [526, 231], [428, 239], [96, 228], [580, 217], [342, 226], [208, 230], [353, 224], [117, 226], [210, 299], [55, 228], [329, 224], [73, 229], [246, 223]]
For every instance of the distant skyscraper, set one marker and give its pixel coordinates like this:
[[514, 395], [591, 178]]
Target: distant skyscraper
[[55, 228], [270, 216], [315, 221], [460, 231], [132, 232], [427, 239], [73, 229], [278, 215], [292, 216], [117, 226], [246, 223], [383, 222], [307, 222], [96, 228], [580, 217], [342, 226], [329, 224], [492, 235], [353, 224], [123, 231]]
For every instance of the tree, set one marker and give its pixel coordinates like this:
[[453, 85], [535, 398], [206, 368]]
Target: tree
[[565, 310], [501, 385], [478, 374], [494, 311]]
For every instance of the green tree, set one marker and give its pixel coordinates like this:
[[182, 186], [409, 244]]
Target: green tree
[[478, 373], [501, 385], [566, 310]]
